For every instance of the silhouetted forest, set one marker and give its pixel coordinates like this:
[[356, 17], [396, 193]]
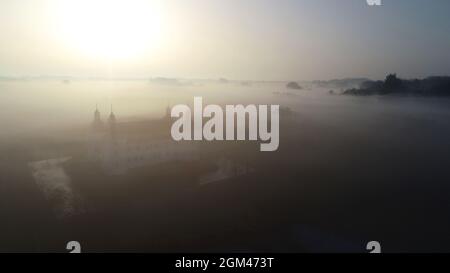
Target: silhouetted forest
[[431, 86]]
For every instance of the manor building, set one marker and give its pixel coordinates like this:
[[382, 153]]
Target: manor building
[[121, 146]]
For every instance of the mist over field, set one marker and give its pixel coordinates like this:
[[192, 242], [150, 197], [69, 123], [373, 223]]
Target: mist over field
[[348, 169], [39, 106]]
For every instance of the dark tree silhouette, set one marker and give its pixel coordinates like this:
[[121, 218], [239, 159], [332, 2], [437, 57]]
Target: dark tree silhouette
[[392, 83], [294, 85]]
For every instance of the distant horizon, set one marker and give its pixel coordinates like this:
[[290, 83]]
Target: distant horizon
[[144, 78]]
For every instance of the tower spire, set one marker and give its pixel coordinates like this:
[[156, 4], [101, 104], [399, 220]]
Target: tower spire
[[97, 124], [112, 122], [111, 115]]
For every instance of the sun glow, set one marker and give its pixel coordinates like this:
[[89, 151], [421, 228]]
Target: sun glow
[[110, 29]]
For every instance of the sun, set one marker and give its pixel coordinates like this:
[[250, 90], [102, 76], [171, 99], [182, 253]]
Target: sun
[[110, 29]]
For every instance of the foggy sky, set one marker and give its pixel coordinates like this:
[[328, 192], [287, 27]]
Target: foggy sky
[[252, 39]]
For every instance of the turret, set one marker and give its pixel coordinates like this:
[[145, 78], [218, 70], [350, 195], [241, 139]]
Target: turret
[[97, 124], [112, 122]]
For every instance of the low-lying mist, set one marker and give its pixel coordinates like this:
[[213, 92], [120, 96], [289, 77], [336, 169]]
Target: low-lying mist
[[349, 170]]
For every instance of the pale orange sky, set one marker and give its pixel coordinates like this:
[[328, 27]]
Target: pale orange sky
[[255, 40]]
